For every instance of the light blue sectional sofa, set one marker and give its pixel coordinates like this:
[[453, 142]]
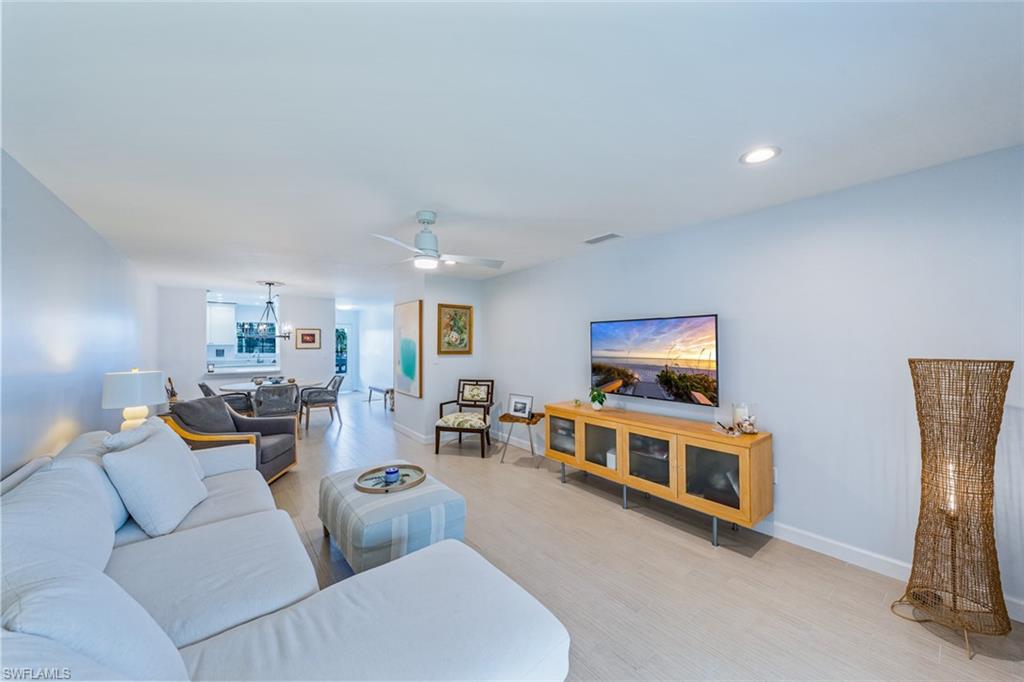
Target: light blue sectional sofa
[[231, 593]]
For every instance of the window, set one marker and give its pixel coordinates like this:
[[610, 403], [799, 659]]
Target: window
[[233, 344], [341, 350], [249, 342]]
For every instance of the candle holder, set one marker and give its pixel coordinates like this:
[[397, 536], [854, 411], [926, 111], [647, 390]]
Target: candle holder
[[955, 580]]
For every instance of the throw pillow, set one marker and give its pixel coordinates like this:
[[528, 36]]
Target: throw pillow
[[122, 440], [88, 443], [92, 467], [205, 415], [56, 510], [159, 425], [157, 480], [84, 610]]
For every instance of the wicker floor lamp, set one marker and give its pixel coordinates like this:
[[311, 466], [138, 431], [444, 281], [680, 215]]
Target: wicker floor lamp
[[955, 577]]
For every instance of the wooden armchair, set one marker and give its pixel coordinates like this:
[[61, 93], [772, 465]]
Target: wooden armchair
[[210, 422], [474, 394]]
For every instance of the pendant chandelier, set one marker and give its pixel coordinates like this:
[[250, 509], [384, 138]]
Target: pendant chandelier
[[261, 330]]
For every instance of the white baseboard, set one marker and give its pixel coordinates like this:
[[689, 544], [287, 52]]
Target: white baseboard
[[894, 568], [409, 433]]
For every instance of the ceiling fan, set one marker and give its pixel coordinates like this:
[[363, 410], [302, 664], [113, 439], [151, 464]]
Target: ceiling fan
[[427, 254]]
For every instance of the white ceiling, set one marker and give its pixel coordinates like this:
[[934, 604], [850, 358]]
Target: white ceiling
[[218, 144]]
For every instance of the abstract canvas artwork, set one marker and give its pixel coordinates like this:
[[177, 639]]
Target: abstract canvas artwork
[[454, 329], [409, 348]]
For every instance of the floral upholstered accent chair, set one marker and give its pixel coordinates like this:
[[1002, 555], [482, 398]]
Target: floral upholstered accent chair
[[473, 394]]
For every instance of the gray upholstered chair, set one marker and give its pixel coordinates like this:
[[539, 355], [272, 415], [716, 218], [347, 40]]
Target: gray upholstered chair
[[210, 422], [317, 396], [239, 402], [276, 400]]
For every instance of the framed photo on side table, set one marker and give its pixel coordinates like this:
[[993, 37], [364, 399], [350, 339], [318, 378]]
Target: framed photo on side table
[[307, 339], [520, 405]]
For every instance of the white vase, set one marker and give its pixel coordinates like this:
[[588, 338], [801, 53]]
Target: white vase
[[596, 406]]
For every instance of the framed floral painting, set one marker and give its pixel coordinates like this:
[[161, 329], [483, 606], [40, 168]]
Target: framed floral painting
[[454, 329]]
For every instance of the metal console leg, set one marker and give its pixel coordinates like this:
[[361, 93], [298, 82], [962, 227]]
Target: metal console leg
[[625, 500], [714, 531], [563, 472]]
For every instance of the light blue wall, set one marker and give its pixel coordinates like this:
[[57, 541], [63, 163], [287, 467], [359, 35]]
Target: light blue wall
[[820, 304], [70, 313]]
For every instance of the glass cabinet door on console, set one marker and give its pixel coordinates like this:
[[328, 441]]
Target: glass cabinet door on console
[[651, 461], [601, 448], [715, 478], [562, 438]]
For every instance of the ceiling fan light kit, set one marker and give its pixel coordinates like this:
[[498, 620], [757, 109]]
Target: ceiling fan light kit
[[427, 252]]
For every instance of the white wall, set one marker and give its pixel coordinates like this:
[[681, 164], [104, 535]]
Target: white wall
[[308, 312], [181, 350], [71, 312], [376, 334], [441, 373], [820, 304]]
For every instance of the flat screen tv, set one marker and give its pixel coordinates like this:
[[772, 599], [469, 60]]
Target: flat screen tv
[[662, 358]]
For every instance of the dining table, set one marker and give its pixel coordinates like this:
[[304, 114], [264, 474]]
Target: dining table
[[250, 387]]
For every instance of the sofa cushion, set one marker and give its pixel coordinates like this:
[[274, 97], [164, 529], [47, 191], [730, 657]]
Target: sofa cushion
[[83, 609], [272, 447], [29, 652], [225, 458], [57, 510], [157, 481], [199, 582], [449, 613], [229, 496], [207, 415], [15, 478], [462, 420], [92, 466], [88, 443]]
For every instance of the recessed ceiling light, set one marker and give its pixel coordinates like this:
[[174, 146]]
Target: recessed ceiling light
[[449, 262], [345, 306], [759, 155]]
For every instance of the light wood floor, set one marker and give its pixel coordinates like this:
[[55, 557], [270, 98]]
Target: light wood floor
[[642, 592]]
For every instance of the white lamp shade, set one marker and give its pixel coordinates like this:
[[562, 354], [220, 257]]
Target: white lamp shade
[[133, 389]]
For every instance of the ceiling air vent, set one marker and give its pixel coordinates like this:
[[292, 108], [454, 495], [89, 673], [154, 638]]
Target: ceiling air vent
[[602, 238]]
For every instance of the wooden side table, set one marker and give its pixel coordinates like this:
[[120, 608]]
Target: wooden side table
[[512, 420]]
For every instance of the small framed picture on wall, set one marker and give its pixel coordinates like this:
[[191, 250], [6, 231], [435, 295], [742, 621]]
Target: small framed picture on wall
[[520, 405], [307, 339]]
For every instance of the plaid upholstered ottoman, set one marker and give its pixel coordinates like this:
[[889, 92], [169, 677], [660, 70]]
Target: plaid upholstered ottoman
[[371, 530]]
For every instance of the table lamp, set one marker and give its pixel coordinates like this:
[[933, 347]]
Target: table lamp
[[135, 391]]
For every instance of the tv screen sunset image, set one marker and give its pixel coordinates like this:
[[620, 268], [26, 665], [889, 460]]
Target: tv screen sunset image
[[673, 358]]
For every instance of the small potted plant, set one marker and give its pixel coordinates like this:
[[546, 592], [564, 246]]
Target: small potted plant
[[597, 398]]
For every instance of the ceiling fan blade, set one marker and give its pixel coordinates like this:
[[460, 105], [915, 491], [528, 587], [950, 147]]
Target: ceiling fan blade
[[397, 243], [473, 260]]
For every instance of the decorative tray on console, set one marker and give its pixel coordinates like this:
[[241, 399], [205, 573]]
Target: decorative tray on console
[[373, 480]]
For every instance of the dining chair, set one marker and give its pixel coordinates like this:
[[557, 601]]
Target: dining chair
[[239, 402], [276, 400], [320, 396]]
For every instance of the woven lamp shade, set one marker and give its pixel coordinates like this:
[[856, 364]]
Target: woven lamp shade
[[955, 577]]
